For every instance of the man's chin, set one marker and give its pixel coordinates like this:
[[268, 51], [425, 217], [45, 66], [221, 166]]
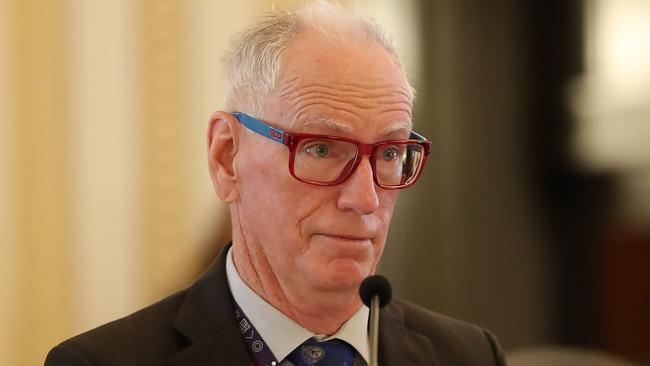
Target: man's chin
[[344, 275]]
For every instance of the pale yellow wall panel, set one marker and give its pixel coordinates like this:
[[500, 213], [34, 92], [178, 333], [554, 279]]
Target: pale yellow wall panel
[[42, 261], [103, 156], [162, 171], [8, 245]]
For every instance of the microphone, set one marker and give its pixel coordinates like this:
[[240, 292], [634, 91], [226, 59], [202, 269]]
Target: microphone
[[375, 292]]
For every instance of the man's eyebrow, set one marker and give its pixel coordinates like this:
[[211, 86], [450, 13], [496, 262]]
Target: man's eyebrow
[[326, 121], [397, 127]]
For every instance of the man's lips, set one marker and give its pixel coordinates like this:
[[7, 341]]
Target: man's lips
[[349, 237], [342, 246]]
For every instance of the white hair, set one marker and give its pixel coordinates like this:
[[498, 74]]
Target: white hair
[[255, 60]]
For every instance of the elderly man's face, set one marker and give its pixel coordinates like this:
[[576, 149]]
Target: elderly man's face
[[315, 237]]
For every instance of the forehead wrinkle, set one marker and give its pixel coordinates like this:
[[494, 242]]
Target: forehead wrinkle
[[340, 102], [286, 86], [398, 109], [360, 99], [367, 89], [363, 101], [360, 90], [338, 92]]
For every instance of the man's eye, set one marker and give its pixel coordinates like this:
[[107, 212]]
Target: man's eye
[[390, 154], [319, 150]]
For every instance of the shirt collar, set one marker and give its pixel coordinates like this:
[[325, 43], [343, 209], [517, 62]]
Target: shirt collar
[[281, 334]]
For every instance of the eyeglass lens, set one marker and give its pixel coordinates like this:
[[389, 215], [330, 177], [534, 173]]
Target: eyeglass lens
[[325, 161]]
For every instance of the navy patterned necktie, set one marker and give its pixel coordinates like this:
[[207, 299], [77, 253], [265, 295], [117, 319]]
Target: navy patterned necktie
[[329, 353]]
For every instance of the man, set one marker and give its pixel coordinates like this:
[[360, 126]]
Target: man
[[310, 154]]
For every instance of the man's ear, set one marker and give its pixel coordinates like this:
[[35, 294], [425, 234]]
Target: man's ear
[[223, 143]]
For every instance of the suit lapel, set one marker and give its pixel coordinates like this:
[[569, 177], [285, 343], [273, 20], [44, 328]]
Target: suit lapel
[[207, 320], [399, 345]]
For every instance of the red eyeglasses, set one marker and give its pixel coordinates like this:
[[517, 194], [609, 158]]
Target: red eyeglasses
[[330, 160]]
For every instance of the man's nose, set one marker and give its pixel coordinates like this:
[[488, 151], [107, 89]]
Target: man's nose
[[358, 192]]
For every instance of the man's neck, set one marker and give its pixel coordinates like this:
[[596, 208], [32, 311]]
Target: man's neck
[[318, 312]]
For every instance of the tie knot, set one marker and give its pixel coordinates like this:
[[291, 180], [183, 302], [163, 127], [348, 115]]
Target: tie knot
[[329, 353]]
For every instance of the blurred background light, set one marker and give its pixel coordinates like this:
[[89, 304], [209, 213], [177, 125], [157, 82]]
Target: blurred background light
[[612, 98]]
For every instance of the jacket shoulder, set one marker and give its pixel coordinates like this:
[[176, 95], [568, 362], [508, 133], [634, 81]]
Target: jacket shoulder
[[453, 340], [141, 338]]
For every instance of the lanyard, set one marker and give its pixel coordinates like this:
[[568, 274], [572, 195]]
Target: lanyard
[[262, 355]]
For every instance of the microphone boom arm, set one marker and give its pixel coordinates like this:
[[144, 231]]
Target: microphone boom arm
[[374, 330]]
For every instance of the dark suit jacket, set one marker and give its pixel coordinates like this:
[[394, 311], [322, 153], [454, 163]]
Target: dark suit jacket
[[197, 327]]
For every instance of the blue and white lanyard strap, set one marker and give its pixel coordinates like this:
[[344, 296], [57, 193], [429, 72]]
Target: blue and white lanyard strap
[[262, 355]]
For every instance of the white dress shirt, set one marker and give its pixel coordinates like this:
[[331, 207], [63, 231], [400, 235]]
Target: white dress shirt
[[281, 334]]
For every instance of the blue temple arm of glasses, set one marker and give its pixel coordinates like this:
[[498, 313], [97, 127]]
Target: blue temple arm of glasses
[[260, 127]]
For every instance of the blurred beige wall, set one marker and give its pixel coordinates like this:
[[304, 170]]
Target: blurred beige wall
[[106, 203]]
